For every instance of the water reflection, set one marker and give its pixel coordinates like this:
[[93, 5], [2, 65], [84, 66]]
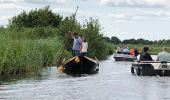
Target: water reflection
[[113, 82]]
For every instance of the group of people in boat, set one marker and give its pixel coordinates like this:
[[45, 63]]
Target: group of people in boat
[[162, 56], [80, 44], [144, 54], [125, 50]]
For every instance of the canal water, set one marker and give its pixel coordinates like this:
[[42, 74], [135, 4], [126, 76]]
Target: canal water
[[113, 82]]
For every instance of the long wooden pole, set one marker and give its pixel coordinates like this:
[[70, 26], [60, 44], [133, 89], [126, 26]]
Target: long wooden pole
[[65, 42]]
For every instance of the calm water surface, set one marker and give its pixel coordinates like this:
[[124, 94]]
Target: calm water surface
[[113, 82]]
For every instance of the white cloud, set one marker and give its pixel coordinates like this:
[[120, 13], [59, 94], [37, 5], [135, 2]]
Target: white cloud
[[125, 15], [136, 3], [65, 11], [5, 7], [3, 20], [9, 1], [4, 17], [89, 14], [82, 14], [121, 17], [45, 1]]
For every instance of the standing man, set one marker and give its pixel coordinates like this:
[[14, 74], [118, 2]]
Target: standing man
[[76, 43], [164, 55]]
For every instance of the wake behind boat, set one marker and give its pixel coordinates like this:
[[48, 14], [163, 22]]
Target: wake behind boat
[[80, 65]]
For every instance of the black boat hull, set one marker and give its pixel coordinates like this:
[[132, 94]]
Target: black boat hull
[[81, 65], [123, 57]]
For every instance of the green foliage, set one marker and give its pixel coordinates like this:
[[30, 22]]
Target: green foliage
[[35, 39], [37, 18], [20, 52], [15, 32], [115, 40], [91, 30], [27, 55]]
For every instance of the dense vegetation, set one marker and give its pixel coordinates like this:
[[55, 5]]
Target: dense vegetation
[[35, 39]]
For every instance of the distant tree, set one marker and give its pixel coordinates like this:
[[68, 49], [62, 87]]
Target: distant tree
[[141, 41], [107, 39], [129, 41], [37, 18], [168, 41], [115, 40]]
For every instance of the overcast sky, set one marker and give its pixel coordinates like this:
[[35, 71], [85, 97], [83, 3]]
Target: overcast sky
[[148, 19]]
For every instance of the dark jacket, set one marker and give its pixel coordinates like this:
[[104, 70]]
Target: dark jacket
[[136, 52], [145, 57]]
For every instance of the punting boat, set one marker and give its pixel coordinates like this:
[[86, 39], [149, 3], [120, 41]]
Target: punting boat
[[80, 65], [123, 57], [151, 68]]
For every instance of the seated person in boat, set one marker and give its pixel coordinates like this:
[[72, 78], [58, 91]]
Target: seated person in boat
[[164, 55], [132, 52], [145, 56], [125, 50], [118, 50], [84, 47], [136, 53], [77, 41]]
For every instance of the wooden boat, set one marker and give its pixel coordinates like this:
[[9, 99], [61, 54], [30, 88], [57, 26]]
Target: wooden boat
[[151, 68], [80, 65], [123, 57]]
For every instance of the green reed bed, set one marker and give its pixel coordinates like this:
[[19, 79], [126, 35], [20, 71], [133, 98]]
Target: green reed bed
[[26, 55]]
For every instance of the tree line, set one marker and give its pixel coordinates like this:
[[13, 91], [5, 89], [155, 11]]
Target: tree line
[[116, 40]]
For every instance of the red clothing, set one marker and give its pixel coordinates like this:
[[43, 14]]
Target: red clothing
[[132, 52]]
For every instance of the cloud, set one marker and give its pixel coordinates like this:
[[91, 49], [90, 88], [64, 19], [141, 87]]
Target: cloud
[[10, 6], [138, 15], [121, 17], [3, 20], [4, 17], [34, 1], [45, 1], [82, 14], [9, 1], [137, 3]]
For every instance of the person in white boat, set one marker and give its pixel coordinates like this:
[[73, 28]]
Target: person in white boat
[[125, 50], [164, 55], [118, 50], [145, 55]]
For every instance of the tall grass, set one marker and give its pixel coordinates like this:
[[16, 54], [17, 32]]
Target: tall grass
[[21, 53]]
